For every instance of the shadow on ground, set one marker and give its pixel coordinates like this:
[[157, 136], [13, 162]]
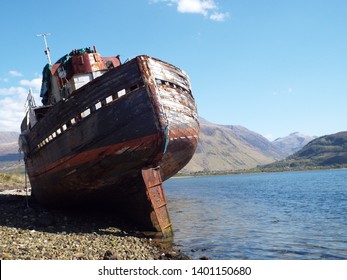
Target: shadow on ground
[[21, 211]]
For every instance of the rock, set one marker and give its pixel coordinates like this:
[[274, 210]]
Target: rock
[[60, 235], [109, 256], [79, 256]]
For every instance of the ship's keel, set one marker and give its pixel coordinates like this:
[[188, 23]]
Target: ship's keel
[[155, 194]]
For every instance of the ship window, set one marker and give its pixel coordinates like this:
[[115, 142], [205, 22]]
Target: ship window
[[109, 99], [98, 105], [64, 127], [54, 135], [133, 87], [85, 113], [73, 121], [58, 131], [121, 92]]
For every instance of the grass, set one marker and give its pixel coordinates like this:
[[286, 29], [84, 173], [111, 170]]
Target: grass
[[11, 178]]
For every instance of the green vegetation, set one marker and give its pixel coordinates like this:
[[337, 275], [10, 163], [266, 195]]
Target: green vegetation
[[11, 179], [327, 152]]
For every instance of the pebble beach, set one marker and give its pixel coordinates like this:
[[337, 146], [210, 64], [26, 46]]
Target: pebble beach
[[31, 232]]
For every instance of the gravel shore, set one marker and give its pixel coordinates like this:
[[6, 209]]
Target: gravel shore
[[28, 231]]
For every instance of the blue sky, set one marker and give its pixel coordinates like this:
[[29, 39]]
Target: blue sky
[[275, 67]]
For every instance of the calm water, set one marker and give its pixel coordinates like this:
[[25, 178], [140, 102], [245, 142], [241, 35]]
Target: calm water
[[294, 215]]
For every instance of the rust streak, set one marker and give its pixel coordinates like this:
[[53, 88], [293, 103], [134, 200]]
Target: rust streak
[[91, 155]]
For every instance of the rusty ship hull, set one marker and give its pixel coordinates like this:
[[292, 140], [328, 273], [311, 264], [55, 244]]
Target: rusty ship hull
[[114, 141]]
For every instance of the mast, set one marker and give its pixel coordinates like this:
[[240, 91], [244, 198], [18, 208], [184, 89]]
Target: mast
[[47, 52]]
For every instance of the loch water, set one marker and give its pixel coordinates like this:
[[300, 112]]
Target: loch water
[[289, 215]]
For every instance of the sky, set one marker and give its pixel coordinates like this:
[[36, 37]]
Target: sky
[[274, 67]]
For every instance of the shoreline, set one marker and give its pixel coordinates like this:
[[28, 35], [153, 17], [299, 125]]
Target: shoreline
[[251, 171], [31, 232]]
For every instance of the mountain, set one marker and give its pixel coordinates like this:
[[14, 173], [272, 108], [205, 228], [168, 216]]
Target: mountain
[[8, 142], [292, 143], [329, 151], [9, 156], [230, 147], [8, 136]]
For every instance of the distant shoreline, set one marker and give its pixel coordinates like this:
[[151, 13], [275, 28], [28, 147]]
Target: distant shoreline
[[251, 171]]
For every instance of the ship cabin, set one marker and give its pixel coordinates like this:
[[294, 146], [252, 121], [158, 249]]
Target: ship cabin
[[63, 78], [73, 71]]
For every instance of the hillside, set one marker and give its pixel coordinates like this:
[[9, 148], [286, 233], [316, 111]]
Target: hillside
[[8, 142], [9, 156], [328, 151], [226, 148]]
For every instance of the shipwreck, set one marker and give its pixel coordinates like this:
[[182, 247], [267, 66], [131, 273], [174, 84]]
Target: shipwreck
[[109, 133]]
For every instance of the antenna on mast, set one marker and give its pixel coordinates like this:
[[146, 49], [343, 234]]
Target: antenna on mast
[[47, 52]]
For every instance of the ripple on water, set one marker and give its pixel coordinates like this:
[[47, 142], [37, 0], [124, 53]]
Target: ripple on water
[[293, 215]]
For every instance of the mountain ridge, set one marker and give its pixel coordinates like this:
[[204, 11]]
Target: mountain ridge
[[293, 142], [328, 151], [224, 148]]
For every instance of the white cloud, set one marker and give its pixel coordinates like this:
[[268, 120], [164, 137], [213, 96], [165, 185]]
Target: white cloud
[[219, 16], [12, 101], [283, 92], [196, 6], [15, 73], [12, 110], [34, 83], [12, 91], [4, 80], [208, 8]]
